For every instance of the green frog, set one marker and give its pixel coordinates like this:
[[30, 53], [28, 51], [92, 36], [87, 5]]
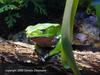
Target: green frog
[[44, 34]]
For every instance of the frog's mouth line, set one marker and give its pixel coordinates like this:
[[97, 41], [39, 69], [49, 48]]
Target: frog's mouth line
[[44, 41]]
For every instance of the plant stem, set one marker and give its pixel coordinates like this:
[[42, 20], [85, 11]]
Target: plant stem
[[67, 34]]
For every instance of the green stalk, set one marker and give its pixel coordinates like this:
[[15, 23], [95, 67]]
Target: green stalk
[[97, 7], [67, 34]]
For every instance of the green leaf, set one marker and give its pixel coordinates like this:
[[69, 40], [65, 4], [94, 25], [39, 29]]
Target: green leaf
[[5, 1], [39, 7], [11, 19], [1, 1], [67, 34], [98, 13], [7, 7]]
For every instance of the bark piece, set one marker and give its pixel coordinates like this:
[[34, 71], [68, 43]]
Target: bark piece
[[12, 51], [88, 60], [18, 51]]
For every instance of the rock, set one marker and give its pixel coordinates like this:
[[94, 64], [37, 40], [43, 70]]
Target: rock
[[90, 30], [88, 26], [80, 16], [1, 39], [21, 37], [82, 37], [91, 20]]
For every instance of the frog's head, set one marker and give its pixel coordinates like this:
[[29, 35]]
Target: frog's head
[[43, 34], [43, 30]]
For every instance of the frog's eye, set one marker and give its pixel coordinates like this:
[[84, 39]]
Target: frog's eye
[[43, 30]]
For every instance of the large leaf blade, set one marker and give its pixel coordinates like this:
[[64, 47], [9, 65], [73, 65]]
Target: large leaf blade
[[66, 32], [97, 7]]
